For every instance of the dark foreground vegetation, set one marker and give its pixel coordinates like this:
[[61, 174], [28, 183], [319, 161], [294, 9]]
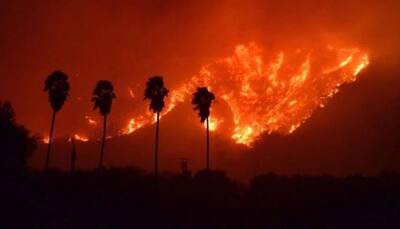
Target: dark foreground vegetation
[[126, 197]]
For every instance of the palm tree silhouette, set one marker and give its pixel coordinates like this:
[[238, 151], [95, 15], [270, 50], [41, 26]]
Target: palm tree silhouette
[[156, 91], [102, 97], [201, 101], [57, 86]]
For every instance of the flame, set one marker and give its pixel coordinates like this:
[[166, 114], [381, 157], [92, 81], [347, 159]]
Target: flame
[[134, 124], [131, 94], [91, 121], [268, 93], [81, 138], [212, 123], [46, 140], [243, 135], [364, 63]]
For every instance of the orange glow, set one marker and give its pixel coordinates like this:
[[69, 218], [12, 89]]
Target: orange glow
[[212, 123], [341, 65], [243, 135], [81, 138], [364, 63], [268, 95], [134, 124], [91, 121], [46, 140], [131, 94]]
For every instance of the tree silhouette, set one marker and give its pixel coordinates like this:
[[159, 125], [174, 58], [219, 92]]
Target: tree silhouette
[[16, 144], [156, 91], [102, 97], [201, 101], [57, 86]]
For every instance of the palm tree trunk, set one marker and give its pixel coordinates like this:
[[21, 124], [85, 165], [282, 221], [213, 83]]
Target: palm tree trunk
[[208, 145], [103, 142], [156, 146], [53, 120]]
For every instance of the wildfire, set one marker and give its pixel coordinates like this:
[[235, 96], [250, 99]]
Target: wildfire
[[269, 92], [81, 138], [134, 124], [91, 121], [362, 65], [212, 123], [131, 94], [46, 140]]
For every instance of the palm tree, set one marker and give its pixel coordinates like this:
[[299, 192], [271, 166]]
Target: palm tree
[[156, 92], [201, 101], [102, 97], [57, 86]]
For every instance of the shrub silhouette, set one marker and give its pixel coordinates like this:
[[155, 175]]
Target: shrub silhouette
[[16, 144], [128, 197]]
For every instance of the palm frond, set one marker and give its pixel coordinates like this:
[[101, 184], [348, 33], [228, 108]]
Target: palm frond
[[156, 92], [202, 100], [102, 96], [58, 87]]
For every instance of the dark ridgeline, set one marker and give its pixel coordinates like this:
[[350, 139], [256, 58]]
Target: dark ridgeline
[[102, 97], [128, 198], [57, 87], [185, 172], [16, 143], [73, 155], [156, 92], [202, 100]]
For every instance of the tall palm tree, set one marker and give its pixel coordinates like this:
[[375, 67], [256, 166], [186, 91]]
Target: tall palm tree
[[102, 97], [156, 92], [57, 86], [201, 101]]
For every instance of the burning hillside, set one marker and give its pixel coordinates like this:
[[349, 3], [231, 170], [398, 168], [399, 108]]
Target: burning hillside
[[268, 92], [265, 92]]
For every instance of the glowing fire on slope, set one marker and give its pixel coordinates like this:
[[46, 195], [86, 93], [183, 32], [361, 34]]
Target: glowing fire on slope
[[91, 121], [275, 95], [78, 137], [213, 123], [81, 138], [46, 140]]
